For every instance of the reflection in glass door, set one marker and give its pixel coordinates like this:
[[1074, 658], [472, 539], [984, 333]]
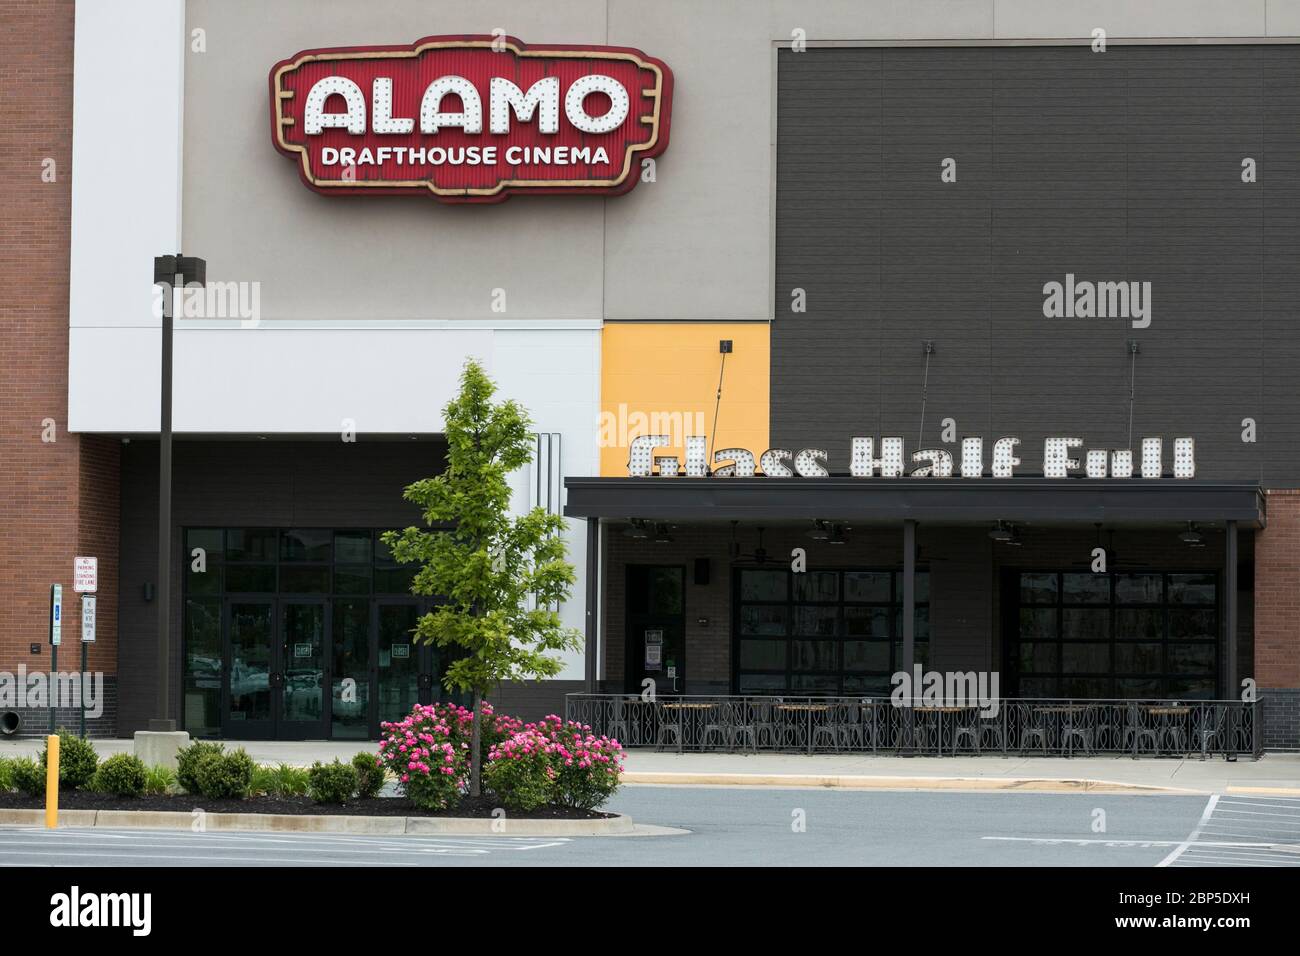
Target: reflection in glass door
[[251, 627], [301, 710], [398, 658]]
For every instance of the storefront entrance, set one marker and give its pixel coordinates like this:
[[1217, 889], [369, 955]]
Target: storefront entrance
[[332, 659], [656, 628]]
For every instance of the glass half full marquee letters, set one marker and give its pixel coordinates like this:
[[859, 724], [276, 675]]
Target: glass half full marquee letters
[[929, 462]]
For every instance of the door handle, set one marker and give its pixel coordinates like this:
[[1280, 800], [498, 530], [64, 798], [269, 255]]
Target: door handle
[[277, 679]]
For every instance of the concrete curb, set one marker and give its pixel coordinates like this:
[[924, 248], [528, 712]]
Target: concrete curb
[[1264, 791], [1028, 784], [618, 825]]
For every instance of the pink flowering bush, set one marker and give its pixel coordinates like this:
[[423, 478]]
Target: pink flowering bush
[[525, 766], [587, 766], [520, 772], [427, 755]]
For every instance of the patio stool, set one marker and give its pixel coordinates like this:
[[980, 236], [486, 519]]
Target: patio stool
[[851, 728], [739, 726], [717, 723], [829, 728], [976, 729], [1037, 730], [670, 722], [1136, 731], [619, 722], [765, 723], [1210, 726]]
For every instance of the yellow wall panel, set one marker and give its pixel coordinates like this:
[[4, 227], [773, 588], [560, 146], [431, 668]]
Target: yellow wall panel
[[664, 378]]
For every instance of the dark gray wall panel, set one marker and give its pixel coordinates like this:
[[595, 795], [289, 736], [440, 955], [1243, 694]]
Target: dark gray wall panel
[[231, 484], [1123, 166]]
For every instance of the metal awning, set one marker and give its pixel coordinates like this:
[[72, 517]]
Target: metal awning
[[954, 500]]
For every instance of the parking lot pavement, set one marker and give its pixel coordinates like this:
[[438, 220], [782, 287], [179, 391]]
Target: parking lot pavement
[[1239, 831]]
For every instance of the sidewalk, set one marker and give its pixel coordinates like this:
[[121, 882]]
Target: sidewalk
[[1275, 772]]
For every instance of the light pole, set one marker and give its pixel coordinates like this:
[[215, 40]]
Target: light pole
[[172, 273]]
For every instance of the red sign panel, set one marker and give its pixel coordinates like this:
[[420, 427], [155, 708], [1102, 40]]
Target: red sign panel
[[471, 119]]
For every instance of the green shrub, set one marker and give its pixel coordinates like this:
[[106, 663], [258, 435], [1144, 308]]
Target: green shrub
[[77, 760], [370, 775], [262, 782], [6, 774], [159, 780], [187, 762], [123, 775], [291, 781], [334, 782], [28, 776], [225, 776]]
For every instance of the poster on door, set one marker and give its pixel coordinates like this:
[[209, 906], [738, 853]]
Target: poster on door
[[654, 646]]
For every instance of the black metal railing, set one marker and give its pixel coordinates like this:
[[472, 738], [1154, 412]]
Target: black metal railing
[[1047, 727]]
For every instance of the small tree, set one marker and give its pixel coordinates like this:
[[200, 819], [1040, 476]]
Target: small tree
[[499, 574]]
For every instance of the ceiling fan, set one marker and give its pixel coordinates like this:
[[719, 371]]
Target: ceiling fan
[[758, 556]]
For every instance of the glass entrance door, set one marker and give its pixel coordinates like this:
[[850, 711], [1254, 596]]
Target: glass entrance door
[[250, 637], [656, 629], [275, 681], [300, 708], [402, 666]]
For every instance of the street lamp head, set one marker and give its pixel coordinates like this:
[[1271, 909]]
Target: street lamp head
[[191, 269]]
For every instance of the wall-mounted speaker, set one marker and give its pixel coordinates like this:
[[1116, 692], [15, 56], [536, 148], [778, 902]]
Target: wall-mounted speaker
[[701, 571]]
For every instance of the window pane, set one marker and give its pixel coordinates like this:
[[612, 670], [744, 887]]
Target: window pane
[[352, 580], [304, 580], [867, 686], [867, 622], [1186, 624], [207, 581], [203, 667], [305, 545], [665, 590], [1085, 588], [866, 656], [1039, 658], [352, 547], [1039, 687], [763, 619], [394, 580], [1191, 658], [1085, 658], [761, 683], [763, 585], [1038, 588], [351, 657], [868, 587], [1085, 624], [1192, 688], [1139, 589], [810, 685], [1037, 624], [255, 544], [922, 586], [1137, 687], [815, 621], [209, 539], [1139, 624], [762, 655], [1138, 658], [817, 586], [1192, 589], [1094, 687], [247, 579], [812, 655]]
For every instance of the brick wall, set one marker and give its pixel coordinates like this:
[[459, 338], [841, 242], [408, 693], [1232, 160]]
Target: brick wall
[[1277, 593], [59, 497]]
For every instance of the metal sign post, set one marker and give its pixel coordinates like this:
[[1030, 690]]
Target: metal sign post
[[56, 637], [87, 637]]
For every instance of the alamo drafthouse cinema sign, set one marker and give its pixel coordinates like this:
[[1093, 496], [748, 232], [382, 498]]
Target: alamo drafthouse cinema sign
[[471, 118], [1059, 460]]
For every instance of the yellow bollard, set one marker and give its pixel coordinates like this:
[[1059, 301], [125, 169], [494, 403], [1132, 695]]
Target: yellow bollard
[[52, 782]]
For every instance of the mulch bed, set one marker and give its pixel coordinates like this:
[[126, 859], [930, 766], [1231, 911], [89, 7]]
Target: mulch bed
[[374, 807]]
